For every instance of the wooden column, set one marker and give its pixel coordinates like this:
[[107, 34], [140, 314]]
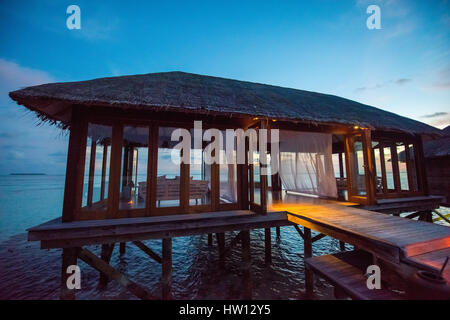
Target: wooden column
[[75, 165], [369, 167], [166, 268], [309, 276], [221, 244], [278, 232], [268, 245], [341, 165], [342, 245], [104, 173], [107, 250], [210, 239], [122, 248], [91, 172], [115, 168], [69, 257], [395, 169], [246, 266]]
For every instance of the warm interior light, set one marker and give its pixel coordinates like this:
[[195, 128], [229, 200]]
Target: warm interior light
[[356, 127], [130, 202], [255, 118], [274, 120]]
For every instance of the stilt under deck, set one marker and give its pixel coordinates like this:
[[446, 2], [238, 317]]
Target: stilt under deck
[[402, 245]]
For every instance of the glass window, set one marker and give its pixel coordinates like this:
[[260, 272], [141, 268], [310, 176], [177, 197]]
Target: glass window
[[228, 173], [389, 170], [96, 167], [256, 178], [133, 187], [402, 167], [200, 177], [359, 180], [168, 170]]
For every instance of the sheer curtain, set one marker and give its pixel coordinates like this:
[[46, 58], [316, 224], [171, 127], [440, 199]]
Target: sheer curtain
[[306, 163]]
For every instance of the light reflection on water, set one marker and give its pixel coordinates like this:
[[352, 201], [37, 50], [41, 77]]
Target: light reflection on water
[[26, 272]]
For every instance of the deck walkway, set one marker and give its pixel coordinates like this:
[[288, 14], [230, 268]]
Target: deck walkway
[[394, 239], [398, 240]]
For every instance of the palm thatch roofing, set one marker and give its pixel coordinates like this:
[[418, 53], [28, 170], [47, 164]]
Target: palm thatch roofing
[[192, 93]]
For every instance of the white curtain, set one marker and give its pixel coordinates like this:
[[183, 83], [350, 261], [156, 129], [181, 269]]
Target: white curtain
[[306, 163]]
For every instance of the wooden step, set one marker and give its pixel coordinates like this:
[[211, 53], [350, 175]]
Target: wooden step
[[345, 271]]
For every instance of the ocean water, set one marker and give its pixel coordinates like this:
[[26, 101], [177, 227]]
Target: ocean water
[[27, 272]]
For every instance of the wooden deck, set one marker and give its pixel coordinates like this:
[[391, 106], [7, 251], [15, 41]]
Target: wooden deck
[[407, 204], [393, 239], [55, 234]]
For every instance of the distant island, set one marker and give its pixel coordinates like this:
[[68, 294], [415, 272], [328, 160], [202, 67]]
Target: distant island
[[27, 174]]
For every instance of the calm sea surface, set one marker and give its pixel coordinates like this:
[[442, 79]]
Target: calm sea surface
[[26, 272]]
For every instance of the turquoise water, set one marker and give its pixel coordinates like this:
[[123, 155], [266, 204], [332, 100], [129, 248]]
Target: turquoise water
[[26, 272]]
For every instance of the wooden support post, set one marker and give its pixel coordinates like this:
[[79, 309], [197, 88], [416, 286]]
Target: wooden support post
[[100, 265], [342, 245], [122, 248], [246, 266], [69, 257], [309, 276], [75, 166], [107, 250], [166, 268], [268, 245], [221, 244], [210, 239], [278, 233]]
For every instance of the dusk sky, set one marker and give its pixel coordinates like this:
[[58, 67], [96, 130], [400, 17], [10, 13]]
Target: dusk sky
[[322, 46]]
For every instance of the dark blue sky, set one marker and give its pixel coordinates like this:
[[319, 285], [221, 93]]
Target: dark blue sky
[[321, 46]]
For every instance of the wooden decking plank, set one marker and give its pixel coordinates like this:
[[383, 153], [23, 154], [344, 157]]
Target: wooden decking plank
[[348, 277]]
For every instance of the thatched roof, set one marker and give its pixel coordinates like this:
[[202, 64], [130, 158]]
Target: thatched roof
[[185, 92]]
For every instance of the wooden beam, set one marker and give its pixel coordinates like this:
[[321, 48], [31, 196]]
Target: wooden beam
[[318, 237], [395, 169], [115, 168], [106, 253], [73, 190], [309, 275], [100, 265], [233, 242], [299, 231], [122, 248], [383, 169], [246, 266], [369, 167], [152, 254], [341, 165], [166, 279], [278, 232], [220, 237], [268, 246], [210, 239], [69, 257]]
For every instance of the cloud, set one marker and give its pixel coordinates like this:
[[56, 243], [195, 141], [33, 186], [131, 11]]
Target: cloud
[[434, 115], [13, 76], [400, 82]]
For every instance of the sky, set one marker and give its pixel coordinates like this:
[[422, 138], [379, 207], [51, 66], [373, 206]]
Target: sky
[[322, 46]]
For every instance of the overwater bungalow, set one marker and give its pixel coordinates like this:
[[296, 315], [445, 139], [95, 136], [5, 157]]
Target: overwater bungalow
[[437, 164], [339, 175]]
